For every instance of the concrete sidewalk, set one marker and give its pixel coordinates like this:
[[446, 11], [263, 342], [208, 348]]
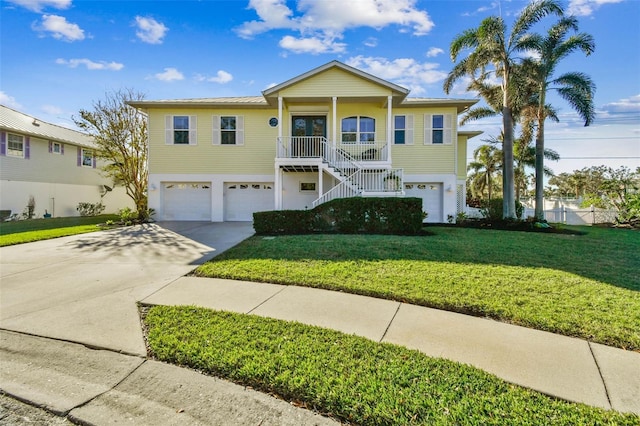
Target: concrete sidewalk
[[71, 341], [564, 367]]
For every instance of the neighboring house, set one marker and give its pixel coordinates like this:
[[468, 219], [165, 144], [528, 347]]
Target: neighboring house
[[54, 165], [332, 132]]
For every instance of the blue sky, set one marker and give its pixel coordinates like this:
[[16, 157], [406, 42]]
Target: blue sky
[[57, 56]]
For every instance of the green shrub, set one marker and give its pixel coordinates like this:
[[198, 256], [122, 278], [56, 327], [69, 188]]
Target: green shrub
[[90, 209], [492, 209], [346, 216]]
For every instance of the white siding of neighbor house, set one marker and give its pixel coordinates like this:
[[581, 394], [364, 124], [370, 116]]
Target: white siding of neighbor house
[[55, 181], [45, 166]]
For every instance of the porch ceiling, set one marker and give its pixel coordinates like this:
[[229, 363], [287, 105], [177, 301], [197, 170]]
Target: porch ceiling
[[299, 168]]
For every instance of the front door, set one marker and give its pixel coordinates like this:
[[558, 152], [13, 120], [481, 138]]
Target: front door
[[303, 130]]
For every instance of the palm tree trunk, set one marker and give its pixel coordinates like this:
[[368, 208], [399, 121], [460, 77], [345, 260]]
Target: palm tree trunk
[[508, 203], [539, 210]]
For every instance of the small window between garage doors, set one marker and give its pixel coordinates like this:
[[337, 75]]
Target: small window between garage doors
[[431, 194], [186, 201], [242, 199]]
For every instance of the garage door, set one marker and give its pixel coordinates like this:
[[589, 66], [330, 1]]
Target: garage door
[[242, 199], [431, 194], [186, 201]]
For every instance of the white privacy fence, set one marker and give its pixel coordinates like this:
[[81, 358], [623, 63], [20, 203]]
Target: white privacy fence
[[566, 215], [572, 216]]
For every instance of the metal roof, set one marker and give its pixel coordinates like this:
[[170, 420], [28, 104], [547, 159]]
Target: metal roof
[[199, 102], [19, 122]]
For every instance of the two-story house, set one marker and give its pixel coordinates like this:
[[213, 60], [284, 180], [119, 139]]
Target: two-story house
[[334, 131], [53, 165]]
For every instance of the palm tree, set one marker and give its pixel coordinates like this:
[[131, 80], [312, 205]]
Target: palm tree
[[492, 47], [575, 87], [486, 163]]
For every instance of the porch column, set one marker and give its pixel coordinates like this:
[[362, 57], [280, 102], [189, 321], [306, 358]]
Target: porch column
[[320, 189], [278, 188], [389, 127], [334, 101]]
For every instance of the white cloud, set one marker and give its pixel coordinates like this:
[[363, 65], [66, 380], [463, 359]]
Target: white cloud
[[51, 110], [9, 101], [149, 30], [91, 65], [631, 104], [59, 28], [406, 72], [371, 42], [313, 45], [39, 5], [169, 74], [222, 77], [320, 23], [586, 7], [434, 51]]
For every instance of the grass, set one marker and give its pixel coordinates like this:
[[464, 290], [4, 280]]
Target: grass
[[586, 286], [26, 231], [352, 378]]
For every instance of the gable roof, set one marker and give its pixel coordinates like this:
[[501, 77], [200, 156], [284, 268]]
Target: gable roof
[[19, 122], [336, 64]]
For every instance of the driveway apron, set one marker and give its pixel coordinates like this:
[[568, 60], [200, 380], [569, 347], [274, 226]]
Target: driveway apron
[[84, 288]]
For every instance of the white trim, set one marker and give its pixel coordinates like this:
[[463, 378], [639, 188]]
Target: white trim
[[334, 102]]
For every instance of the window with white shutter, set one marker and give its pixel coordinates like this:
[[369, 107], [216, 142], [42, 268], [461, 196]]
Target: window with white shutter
[[438, 129], [403, 129], [181, 130], [228, 129]]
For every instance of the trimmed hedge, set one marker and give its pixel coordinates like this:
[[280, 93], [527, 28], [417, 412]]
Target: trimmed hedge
[[370, 215]]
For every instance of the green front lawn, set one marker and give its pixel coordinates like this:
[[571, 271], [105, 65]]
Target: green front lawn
[[26, 231], [352, 378], [586, 286]]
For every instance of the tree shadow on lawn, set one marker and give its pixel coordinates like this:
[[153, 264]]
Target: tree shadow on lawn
[[610, 256]]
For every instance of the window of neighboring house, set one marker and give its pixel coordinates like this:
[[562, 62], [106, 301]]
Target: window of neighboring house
[[87, 158], [358, 130], [403, 130], [180, 130], [228, 129], [56, 148], [15, 146], [438, 129]]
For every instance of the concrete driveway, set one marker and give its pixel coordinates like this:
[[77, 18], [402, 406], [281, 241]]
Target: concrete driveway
[[84, 288]]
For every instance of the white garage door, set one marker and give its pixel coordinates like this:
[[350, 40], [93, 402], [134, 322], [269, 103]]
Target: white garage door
[[186, 201], [431, 194], [242, 199]]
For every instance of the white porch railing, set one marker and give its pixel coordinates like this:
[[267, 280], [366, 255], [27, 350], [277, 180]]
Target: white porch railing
[[301, 146], [362, 182], [312, 147], [345, 161]]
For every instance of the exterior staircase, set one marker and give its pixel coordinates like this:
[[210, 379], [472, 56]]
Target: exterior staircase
[[355, 180]]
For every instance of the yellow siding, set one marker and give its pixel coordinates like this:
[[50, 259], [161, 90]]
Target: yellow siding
[[256, 156], [421, 158], [462, 157], [334, 82]]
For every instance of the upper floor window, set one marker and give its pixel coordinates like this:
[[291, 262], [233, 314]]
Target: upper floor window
[[56, 147], [358, 130], [228, 130], [86, 157], [15, 146], [403, 130], [180, 130], [438, 129]]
